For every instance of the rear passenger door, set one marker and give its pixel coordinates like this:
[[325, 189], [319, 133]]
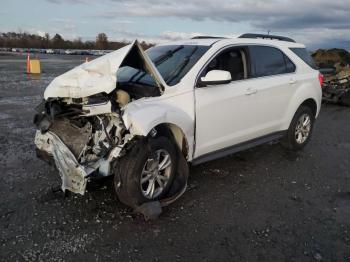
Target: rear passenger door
[[273, 78]]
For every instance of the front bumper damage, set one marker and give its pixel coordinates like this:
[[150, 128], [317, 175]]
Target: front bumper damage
[[80, 152], [74, 176], [80, 147], [80, 125], [85, 123]]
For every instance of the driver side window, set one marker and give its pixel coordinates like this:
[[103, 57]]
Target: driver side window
[[233, 60]]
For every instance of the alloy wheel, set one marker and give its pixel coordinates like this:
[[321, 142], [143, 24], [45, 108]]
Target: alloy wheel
[[303, 128], [156, 174]]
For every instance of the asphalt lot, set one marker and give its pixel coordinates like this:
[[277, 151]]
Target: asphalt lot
[[264, 204]]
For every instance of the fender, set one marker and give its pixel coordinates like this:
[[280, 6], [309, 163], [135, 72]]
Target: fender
[[141, 116], [304, 92]]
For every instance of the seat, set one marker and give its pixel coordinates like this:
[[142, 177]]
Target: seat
[[232, 62]]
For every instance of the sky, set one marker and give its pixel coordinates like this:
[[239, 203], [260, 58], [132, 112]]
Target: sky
[[316, 23]]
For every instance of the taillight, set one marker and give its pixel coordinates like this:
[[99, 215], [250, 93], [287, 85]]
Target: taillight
[[321, 79]]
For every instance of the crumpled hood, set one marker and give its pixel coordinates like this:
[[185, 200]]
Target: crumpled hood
[[97, 76]]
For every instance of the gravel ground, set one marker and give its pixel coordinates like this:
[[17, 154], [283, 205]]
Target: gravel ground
[[264, 204]]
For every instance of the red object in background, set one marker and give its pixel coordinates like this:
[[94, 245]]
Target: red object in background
[[28, 63], [321, 78]]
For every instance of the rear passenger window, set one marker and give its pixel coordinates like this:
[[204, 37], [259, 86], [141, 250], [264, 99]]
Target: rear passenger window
[[268, 61]]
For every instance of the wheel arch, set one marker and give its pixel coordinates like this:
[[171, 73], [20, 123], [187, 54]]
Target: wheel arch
[[174, 133], [311, 103], [306, 95]]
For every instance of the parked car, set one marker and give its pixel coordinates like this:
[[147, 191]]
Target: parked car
[[134, 115], [68, 52]]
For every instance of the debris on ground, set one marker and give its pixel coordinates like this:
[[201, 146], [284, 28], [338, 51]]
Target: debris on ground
[[335, 65], [337, 91]]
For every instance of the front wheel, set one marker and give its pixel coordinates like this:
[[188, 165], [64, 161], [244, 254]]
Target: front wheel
[[300, 129], [146, 172]]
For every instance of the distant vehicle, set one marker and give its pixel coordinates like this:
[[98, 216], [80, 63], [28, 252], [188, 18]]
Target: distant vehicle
[[84, 52], [14, 50], [49, 51], [4, 49], [68, 52], [34, 50], [135, 114], [97, 52], [77, 52]]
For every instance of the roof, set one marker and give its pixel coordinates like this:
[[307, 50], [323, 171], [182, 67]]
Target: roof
[[202, 41], [268, 36], [228, 41]]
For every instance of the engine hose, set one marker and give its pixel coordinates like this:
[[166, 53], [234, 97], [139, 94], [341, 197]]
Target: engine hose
[[110, 140]]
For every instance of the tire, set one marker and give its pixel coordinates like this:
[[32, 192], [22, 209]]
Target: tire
[[292, 140], [345, 100], [136, 165]]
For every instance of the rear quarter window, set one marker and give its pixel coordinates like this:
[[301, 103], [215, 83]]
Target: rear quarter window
[[268, 61], [305, 56], [290, 67]]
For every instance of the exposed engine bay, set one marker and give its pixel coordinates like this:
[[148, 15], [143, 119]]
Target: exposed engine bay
[[82, 137], [80, 125]]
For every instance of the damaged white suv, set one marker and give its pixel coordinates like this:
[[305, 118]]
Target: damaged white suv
[[142, 116]]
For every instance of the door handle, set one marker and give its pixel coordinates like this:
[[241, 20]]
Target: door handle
[[251, 91], [292, 81]]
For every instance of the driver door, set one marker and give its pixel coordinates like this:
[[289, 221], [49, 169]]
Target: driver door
[[225, 113]]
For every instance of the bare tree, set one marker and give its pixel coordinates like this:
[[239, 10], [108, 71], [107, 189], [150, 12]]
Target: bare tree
[[57, 41], [102, 41], [47, 40], [25, 40]]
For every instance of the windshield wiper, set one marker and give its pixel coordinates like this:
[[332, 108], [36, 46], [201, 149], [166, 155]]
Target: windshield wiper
[[176, 72], [167, 55]]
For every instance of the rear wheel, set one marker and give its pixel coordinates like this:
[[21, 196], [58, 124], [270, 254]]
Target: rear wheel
[[300, 129], [146, 172]]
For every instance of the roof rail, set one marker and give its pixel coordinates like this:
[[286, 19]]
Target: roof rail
[[277, 37], [207, 37]]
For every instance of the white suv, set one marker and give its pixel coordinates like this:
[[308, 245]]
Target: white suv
[[137, 115]]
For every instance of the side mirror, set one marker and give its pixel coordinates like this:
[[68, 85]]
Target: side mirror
[[215, 77]]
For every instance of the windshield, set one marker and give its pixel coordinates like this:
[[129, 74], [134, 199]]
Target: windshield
[[172, 61]]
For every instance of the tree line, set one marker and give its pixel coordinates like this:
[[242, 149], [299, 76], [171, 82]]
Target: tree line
[[26, 40]]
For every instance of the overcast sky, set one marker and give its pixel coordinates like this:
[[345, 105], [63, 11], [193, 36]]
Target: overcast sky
[[317, 23]]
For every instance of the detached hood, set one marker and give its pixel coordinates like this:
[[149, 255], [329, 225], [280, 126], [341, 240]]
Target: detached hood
[[100, 75]]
